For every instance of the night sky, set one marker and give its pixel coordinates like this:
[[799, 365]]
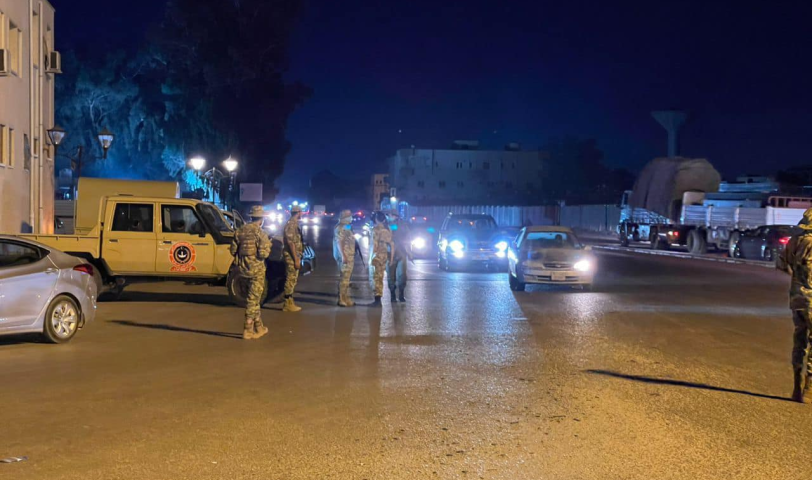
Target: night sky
[[425, 73]]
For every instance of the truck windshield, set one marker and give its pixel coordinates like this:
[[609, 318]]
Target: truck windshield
[[215, 219]]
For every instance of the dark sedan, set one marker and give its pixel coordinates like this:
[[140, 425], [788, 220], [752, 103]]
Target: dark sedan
[[763, 243]]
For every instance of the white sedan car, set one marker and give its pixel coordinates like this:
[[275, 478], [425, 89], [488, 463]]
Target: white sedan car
[[549, 255], [43, 290]]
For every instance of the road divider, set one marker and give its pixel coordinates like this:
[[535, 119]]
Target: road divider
[[692, 256]]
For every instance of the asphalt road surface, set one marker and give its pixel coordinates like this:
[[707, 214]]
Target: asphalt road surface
[[673, 368]]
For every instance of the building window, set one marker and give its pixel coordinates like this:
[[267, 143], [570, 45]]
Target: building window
[[486, 166], [436, 164], [442, 184], [421, 184], [15, 47], [470, 165], [460, 184], [459, 165], [6, 146]]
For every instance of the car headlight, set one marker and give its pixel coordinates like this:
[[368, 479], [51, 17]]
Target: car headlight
[[583, 265], [316, 221], [456, 246], [419, 243], [501, 246], [305, 220]]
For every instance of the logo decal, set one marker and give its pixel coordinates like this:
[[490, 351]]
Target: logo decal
[[182, 257]]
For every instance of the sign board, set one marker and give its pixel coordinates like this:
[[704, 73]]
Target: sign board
[[250, 192]]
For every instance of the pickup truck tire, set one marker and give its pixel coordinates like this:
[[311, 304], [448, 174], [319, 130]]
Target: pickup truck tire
[[696, 243], [238, 287]]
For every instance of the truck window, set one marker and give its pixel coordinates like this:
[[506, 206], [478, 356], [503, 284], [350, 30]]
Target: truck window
[[133, 217], [180, 219]]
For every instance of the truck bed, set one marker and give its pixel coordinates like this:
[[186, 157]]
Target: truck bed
[[88, 244], [739, 218]]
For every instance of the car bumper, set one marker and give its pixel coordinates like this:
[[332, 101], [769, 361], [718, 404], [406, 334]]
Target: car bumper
[[472, 258], [558, 277]]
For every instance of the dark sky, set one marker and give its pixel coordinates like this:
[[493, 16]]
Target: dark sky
[[529, 70]]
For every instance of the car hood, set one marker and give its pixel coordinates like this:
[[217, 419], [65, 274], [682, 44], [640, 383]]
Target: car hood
[[477, 238], [554, 255]]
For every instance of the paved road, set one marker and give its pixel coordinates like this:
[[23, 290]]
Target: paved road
[[672, 369]]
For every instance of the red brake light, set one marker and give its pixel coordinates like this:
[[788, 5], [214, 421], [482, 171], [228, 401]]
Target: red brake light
[[783, 240], [84, 268]]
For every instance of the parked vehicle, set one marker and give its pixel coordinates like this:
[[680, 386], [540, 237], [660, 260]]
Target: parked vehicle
[[764, 243], [43, 290], [471, 239], [549, 255], [680, 201], [149, 238]]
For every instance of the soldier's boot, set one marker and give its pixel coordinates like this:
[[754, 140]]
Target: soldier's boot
[[260, 330], [290, 306], [342, 299], [377, 302], [798, 389], [402, 296], [248, 330], [393, 297]]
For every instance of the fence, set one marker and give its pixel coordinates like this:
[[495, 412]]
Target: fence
[[594, 218]]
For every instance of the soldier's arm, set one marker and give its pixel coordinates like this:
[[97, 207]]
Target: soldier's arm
[[290, 241], [235, 245], [783, 261], [263, 246]]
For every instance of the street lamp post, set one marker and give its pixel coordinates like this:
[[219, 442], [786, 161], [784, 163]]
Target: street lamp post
[[57, 134], [213, 176], [231, 166]]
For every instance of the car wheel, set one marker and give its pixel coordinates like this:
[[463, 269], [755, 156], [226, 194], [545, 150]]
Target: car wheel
[[515, 284], [733, 244], [61, 320], [237, 286]]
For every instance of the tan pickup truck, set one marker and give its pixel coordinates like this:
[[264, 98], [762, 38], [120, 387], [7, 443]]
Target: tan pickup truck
[[133, 237]]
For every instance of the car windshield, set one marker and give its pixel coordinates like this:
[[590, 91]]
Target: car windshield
[[542, 240], [215, 219], [471, 223]]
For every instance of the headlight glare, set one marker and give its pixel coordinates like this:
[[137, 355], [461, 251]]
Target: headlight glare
[[582, 265], [419, 243], [502, 246], [456, 246]]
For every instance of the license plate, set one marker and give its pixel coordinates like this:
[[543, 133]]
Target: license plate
[[559, 276]]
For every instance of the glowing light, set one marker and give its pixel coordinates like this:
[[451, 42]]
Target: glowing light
[[512, 255], [419, 243], [500, 254], [502, 246], [357, 236], [582, 266], [456, 246], [198, 163], [296, 202], [459, 254], [230, 164]]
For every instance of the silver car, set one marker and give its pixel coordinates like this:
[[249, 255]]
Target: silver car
[[549, 255], [43, 290]]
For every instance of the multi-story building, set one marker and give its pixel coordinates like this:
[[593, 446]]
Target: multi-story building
[[464, 174], [379, 190], [28, 63]]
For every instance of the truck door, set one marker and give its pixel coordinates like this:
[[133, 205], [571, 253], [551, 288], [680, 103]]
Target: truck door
[[128, 246], [184, 244]]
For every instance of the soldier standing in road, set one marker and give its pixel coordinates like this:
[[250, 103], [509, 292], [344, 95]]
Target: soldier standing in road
[[293, 257], [344, 253], [398, 271], [381, 248], [251, 246], [797, 261]]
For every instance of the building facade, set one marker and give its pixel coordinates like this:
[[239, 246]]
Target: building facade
[[379, 190], [28, 65], [464, 174]]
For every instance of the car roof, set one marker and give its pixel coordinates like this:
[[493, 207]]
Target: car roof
[[25, 240], [549, 228]]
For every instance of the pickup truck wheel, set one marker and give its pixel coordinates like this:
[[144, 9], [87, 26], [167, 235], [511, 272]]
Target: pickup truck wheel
[[654, 238], [237, 286], [696, 243]]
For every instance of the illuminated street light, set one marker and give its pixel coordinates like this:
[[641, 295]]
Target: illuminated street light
[[106, 138], [230, 164], [56, 135], [198, 163], [393, 199]]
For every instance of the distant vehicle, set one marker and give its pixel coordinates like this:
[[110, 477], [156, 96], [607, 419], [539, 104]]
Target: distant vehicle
[[764, 243], [471, 239], [549, 255], [310, 219], [43, 290], [424, 236]]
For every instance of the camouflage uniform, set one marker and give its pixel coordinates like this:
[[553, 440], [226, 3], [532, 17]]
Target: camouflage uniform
[[344, 254], [797, 261], [293, 239], [398, 267], [251, 246], [381, 245]]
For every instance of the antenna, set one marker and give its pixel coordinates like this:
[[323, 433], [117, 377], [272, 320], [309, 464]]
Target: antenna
[[672, 121]]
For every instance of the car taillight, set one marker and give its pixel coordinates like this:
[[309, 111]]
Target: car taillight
[[783, 240], [84, 268]]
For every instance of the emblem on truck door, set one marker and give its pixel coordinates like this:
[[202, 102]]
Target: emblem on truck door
[[182, 257]]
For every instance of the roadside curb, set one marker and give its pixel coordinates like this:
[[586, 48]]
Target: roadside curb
[[691, 256]]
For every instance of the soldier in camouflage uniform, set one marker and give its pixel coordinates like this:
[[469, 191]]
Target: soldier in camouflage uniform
[[381, 248], [251, 246], [797, 261], [293, 257], [344, 254], [398, 267]]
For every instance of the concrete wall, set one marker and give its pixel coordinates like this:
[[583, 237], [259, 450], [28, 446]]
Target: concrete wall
[[26, 112], [594, 218], [505, 216]]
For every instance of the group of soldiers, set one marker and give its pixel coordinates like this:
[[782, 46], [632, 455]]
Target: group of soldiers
[[390, 248]]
